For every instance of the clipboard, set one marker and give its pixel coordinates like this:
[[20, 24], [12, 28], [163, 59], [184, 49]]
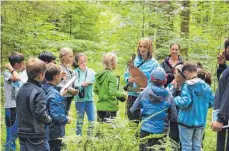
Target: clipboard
[[67, 85], [214, 118]]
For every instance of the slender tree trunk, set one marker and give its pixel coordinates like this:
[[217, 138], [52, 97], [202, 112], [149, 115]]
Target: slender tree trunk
[[185, 17], [143, 19]]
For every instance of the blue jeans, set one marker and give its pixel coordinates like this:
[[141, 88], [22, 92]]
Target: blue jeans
[[11, 121], [191, 138], [34, 144], [81, 107]]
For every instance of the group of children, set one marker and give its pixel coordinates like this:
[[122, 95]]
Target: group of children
[[38, 112], [37, 103]]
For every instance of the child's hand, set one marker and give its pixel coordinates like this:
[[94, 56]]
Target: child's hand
[[131, 80], [84, 84], [62, 93], [9, 67], [73, 91], [69, 120]]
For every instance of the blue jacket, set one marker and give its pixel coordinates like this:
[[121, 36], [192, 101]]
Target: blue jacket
[[84, 76], [146, 68], [157, 108], [195, 99], [56, 109]]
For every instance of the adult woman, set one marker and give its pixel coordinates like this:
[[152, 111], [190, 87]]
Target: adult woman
[[146, 64], [171, 61]]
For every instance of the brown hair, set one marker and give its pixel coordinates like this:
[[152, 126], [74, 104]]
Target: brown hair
[[77, 57], [149, 46], [204, 75], [51, 71], [34, 67], [174, 44], [189, 66]]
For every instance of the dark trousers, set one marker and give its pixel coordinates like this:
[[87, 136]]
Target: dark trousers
[[34, 144], [146, 145], [55, 145], [174, 135], [221, 139], [104, 116], [132, 117], [68, 101]]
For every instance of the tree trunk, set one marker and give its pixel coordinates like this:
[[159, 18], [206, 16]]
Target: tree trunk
[[185, 17]]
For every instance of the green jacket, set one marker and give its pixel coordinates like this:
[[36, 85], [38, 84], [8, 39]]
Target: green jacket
[[107, 90]]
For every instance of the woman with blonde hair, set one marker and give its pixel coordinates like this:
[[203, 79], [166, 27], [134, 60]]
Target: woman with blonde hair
[[145, 63]]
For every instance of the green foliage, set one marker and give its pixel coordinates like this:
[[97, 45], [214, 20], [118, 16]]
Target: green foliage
[[96, 27]]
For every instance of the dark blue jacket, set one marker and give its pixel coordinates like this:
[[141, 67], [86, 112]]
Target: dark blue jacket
[[31, 110], [157, 108], [56, 109], [222, 96]]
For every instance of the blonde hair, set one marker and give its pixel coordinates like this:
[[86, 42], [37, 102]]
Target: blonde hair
[[64, 51], [34, 67], [109, 59], [149, 46]]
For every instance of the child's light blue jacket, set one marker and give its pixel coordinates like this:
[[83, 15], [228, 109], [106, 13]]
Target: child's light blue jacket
[[146, 68], [195, 99], [84, 76]]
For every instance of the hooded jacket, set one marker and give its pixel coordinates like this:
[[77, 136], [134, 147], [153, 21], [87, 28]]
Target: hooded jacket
[[56, 109], [195, 99], [146, 68], [169, 69], [107, 90], [157, 109]]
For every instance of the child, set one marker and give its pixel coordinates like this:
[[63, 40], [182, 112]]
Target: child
[[84, 100], [157, 108], [66, 59], [12, 83], [106, 89], [146, 64], [175, 89], [195, 99], [47, 57], [56, 107], [31, 109]]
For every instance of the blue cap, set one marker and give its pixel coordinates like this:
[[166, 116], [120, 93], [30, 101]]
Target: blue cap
[[158, 74]]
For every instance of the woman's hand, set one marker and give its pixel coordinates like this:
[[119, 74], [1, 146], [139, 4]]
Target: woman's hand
[[131, 80]]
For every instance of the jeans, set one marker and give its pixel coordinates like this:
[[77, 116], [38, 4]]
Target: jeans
[[191, 138], [34, 144], [81, 107], [11, 121]]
